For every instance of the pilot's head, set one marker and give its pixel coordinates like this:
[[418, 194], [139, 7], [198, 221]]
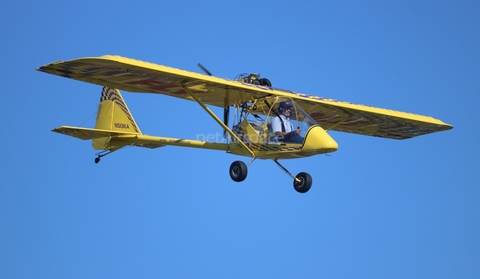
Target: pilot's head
[[285, 108]]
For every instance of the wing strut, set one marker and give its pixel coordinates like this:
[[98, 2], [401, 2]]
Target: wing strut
[[219, 121]]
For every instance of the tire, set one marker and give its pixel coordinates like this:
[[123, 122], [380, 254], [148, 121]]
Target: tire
[[238, 171], [304, 185]]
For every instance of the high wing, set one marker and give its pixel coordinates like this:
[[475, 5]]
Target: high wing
[[143, 77], [370, 121]]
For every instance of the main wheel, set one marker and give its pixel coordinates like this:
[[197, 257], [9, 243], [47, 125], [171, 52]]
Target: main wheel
[[304, 184], [238, 171]]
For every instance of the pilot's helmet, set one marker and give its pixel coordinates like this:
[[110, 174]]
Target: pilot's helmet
[[284, 105]]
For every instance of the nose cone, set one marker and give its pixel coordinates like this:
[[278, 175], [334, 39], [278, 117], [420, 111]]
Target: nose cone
[[317, 139]]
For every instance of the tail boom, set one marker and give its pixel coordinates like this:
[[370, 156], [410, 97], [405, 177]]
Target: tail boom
[[117, 140]]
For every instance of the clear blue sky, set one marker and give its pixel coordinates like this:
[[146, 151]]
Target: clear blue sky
[[378, 208]]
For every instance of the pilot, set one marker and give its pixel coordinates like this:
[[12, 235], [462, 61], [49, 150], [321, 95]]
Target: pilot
[[282, 126]]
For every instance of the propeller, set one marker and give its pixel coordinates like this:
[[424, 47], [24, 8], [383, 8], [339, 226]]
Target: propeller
[[204, 69], [226, 108]]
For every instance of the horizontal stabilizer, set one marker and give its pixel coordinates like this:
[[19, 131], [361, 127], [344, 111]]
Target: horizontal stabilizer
[[107, 139], [86, 133]]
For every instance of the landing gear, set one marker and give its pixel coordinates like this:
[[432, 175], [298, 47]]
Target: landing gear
[[238, 171], [302, 182], [101, 154]]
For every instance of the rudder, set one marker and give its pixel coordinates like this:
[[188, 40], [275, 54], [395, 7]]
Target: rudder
[[114, 115]]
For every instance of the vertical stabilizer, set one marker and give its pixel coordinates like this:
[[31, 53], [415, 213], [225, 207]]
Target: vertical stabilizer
[[113, 115]]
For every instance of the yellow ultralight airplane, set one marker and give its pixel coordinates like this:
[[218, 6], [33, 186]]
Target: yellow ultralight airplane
[[257, 104]]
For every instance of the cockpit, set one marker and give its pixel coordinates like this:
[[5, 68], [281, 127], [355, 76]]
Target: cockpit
[[269, 120]]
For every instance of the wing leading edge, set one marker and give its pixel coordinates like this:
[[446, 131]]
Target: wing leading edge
[[143, 77]]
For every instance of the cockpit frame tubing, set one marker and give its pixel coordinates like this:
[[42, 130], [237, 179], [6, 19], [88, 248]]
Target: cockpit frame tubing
[[218, 120]]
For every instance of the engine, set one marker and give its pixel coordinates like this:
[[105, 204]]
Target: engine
[[253, 79]]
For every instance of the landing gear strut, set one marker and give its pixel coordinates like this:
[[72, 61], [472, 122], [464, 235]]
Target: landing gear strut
[[301, 183]]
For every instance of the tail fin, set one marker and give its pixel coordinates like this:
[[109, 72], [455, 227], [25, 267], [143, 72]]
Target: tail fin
[[114, 120], [113, 115]]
